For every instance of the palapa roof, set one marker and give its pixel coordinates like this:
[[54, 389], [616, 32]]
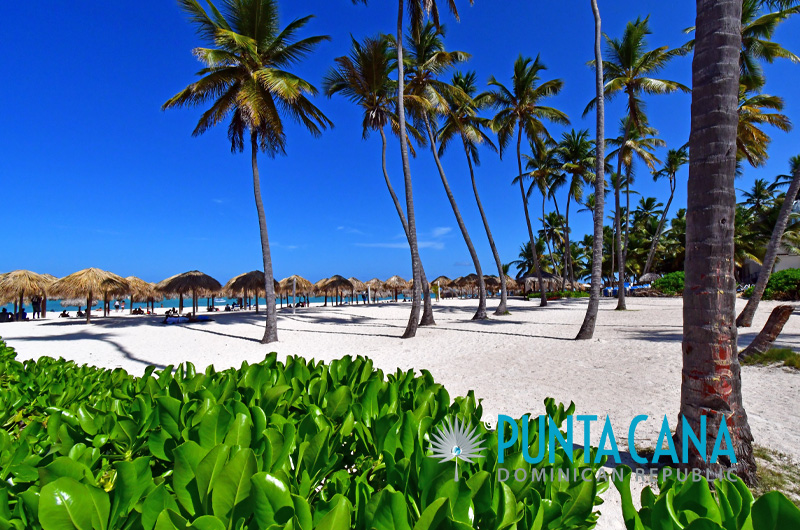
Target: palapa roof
[[249, 281], [395, 282], [141, 290], [649, 277], [302, 285], [77, 302], [375, 283], [188, 282], [338, 282], [358, 285], [23, 283], [491, 281], [88, 281], [444, 281]]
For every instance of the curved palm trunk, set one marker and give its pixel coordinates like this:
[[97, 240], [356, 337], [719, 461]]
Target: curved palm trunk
[[745, 319], [427, 309], [547, 239], [542, 288], [480, 314], [271, 329], [502, 309], [618, 226], [555, 265], [590, 319], [651, 255], [711, 383], [413, 319]]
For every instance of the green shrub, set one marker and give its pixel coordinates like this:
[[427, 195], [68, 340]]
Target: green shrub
[[670, 284], [554, 295], [782, 285], [686, 503], [301, 445]]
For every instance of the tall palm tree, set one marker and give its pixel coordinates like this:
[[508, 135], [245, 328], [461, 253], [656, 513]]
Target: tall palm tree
[[552, 231], [628, 68], [590, 318], [711, 385], [751, 141], [428, 59], [363, 77], [245, 77], [462, 121], [676, 159], [761, 195], [542, 166], [417, 10], [745, 318], [576, 153], [519, 109]]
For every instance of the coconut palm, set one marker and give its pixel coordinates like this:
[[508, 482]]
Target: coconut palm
[[590, 318], [246, 81], [627, 68], [428, 59], [745, 318], [576, 153], [543, 167], [676, 159], [363, 77], [462, 121], [751, 141], [711, 385], [520, 110], [417, 10]]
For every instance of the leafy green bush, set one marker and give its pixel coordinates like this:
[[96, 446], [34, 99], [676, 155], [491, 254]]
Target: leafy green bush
[[683, 503], [299, 445], [671, 283], [782, 285], [555, 295]]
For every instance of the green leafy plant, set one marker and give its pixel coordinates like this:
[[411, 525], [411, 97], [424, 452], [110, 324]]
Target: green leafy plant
[[670, 284], [299, 444], [782, 285]]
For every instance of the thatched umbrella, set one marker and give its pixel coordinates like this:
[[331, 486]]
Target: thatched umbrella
[[189, 282], [295, 284], [511, 283], [51, 279], [88, 283], [253, 281], [396, 283], [649, 277], [337, 284], [491, 281], [320, 287], [358, 286], [21, 284], [376, 285], [141, 290]]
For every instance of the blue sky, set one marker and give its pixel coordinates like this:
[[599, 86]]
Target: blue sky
[[93, 173]]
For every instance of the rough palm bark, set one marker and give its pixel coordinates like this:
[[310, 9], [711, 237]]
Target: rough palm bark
[[271, 329], [502, 309], [427, 310], [590, 319], [480, 314], [413, 320], [745, 319], [711, 383], [651, 255], [542, 288], [763, 342]]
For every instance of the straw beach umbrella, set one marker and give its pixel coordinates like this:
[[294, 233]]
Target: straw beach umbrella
[[51, 279], [358, 287], [89, 283], [249, 282], [140, 290], [21, 284], [320, 287], [375, 285], [396, 283], [295, 284], [189, 282], [337, 284]]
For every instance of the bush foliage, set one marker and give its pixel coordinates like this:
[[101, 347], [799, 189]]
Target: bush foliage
[[782, 285], [670, 284]]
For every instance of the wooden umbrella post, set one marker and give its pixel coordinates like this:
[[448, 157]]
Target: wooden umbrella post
[[294, 295]]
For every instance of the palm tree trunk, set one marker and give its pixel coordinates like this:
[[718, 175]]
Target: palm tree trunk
[[628, 172], [480, 314], [427, 309], [540, 277], [502, 309], [711, 380], [555, 265], [547, 239], [745, 319], [413, 320], [567, 250], [651, 255], [88, 308], [271, 329], [617, 223]]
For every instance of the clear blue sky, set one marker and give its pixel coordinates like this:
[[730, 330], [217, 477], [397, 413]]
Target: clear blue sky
[[93, 173]]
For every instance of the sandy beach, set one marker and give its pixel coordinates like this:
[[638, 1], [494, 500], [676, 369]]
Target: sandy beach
[[631, 367]]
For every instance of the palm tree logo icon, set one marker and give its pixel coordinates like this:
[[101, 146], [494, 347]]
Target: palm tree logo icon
[[454, 440]]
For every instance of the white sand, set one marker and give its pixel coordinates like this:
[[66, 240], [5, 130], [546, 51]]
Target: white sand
[[631, 367]]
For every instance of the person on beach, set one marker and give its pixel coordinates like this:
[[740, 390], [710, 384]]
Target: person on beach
[[116, 306], [36, 302], [123, 305]]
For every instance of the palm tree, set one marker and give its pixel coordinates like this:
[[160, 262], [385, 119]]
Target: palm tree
[[519, 109], [245, 77], [417, 10], [761, 195], [711, 386], [552, 231], [576, 154], [754, 107], [627, 68], [462, 120], [542, 166], [745, 318], [590, 318], [427, 58], [676, 158], [363, 77]]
